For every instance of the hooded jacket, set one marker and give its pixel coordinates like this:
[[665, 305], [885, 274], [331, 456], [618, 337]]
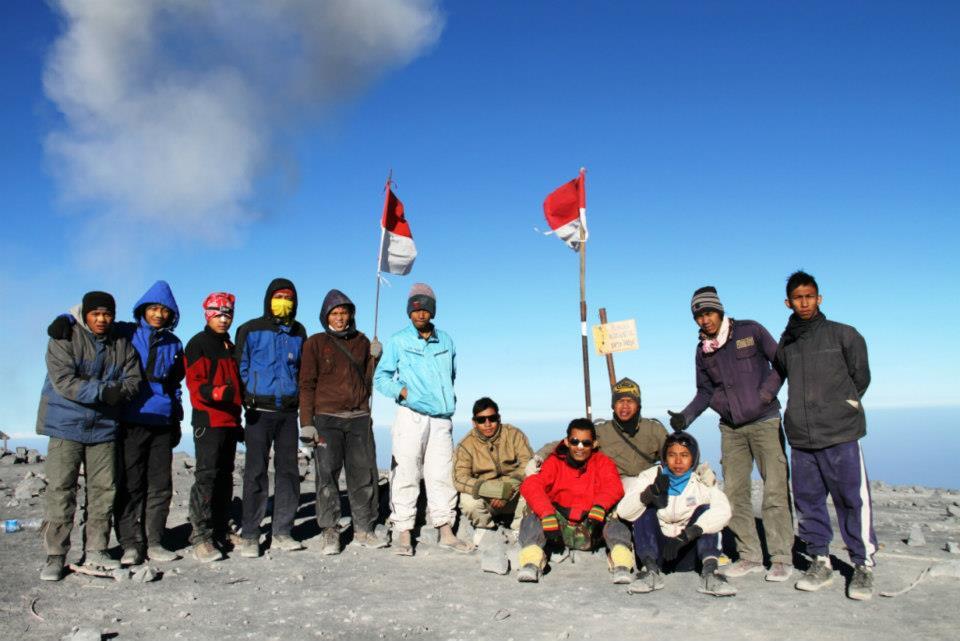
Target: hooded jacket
[[78, 369], [737, 381], [478, 459], [701, 489], [213, 380], [158, 400], [573, 489], [268, 353], [829, 374], [330, 381]]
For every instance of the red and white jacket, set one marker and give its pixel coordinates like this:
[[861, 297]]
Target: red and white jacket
[[213, 378]]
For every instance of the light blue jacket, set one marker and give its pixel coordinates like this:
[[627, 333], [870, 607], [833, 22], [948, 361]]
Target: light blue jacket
[[426, 368]]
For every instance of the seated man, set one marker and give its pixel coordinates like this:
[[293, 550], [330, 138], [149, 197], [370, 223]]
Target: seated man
[[569, 498], [488, 468], [633, 442], [677, 512]]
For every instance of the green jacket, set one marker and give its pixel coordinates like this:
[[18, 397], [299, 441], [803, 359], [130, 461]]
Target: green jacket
[[494, 467], [622, 447]]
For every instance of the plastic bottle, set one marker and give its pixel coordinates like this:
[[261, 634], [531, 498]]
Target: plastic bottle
[[15, 525]]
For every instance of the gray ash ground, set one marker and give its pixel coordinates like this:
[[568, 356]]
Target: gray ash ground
[[373, 594]]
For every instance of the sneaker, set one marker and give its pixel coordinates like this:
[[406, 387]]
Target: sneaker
[[646, 581], [249, 548], [161, 554], [403, 544], [741, 568], [622, 575], [100, 559], [286, 543], [131, 556], [861, 585], [330, 541], [529, 573], [779, 572], [716, 584], [53, 568], [368, 539], [818, 575], [205, 552]]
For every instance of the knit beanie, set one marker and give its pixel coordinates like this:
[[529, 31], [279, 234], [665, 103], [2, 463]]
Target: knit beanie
[[625, 388], [98, 300], [422, 297], [705, 299]]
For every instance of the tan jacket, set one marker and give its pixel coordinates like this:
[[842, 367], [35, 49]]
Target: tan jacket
[[649, 440], [477, 459]]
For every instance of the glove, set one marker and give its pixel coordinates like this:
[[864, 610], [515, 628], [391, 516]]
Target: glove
[[677, 421], [655, 495], [551, 528], [175, 434], [597, 514], [673, 545], [111, 393], [249, 401], [61, 328], [497, 489], [376, 349], [241, 434], [309, 435]]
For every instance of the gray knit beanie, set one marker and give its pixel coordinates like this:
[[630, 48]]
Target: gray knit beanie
[[705, 299], [422, 297]]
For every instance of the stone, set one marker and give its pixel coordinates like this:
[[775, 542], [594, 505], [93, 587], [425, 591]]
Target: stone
[[83, 634], [953, 509], [948, 568], [22, 453], [29, 487], [501, 615], [7, 459], [495, 562], [916, 537], [13, 503], [120, 575], [952, 547], [33, 456], [145, 574], [429, 535]]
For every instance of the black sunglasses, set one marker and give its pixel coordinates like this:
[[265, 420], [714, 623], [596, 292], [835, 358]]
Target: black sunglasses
[[480, 420], [585, 442]]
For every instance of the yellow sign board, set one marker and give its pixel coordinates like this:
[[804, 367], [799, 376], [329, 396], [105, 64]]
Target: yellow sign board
[[615, 337]]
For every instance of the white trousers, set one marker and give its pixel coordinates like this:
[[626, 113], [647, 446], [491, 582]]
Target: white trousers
[[422, 448]]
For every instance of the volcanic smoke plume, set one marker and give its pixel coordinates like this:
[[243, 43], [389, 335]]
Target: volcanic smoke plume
[[172, 107]]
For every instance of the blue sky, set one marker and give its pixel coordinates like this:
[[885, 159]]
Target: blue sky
[[725, 143]]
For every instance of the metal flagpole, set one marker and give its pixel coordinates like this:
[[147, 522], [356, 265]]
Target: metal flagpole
[[583, 310], [383, 234]]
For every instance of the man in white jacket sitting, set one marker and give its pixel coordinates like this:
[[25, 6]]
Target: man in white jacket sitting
[[677, 512]]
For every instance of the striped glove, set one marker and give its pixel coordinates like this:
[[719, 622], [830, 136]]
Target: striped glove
[[597, 513], [551, 528]]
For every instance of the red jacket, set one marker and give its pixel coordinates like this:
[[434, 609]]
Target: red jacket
[[213, 379], [576, 489]]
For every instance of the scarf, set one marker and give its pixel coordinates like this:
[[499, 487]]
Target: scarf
[[677, 483], [797, 327], [628, 427], [710, 344]]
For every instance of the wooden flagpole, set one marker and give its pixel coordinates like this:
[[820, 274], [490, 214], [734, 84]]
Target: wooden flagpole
[[611, 373], [583, 307], [383, 234]]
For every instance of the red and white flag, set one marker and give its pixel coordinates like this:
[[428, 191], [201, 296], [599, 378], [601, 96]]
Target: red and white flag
[[397, 250], [566, 211]]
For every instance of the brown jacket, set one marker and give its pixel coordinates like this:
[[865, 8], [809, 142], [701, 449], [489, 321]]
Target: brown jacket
[[329, 382], [648, 440], [477, 459]]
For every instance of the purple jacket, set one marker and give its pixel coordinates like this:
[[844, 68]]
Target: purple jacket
[[737, 381]]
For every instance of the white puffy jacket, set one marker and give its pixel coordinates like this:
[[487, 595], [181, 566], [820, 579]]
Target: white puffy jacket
[[701, 489]]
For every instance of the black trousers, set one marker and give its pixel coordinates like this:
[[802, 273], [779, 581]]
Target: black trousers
[[347, 443], [281, 431], [144, 483], [212, 491]]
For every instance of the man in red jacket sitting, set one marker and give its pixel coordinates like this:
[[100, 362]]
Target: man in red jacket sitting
[[570, 497]]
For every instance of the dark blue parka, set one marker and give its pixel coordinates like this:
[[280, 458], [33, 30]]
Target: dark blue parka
[[158, 401], [268, 353]]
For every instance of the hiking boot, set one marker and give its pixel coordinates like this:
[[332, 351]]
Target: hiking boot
[[403, 545], [449, 541], [742, 568], [529, 573], [622, 575], [205, 552], [715, 584], [818, 575], [53, 569], [330, 541], [646, 581], [286, 543], [368, 539], [861, 585], [161, 554], [100, 559], [779, 572], [249, 548], [131, 556]]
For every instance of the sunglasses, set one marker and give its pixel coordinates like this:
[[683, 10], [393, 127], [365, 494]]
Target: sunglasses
[[480, 420], [574, 442]]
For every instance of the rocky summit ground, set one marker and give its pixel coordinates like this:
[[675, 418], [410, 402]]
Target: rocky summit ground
[[373, 594]]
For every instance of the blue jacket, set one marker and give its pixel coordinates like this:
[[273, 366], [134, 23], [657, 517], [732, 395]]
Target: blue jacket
[[78, 370], [268, 354], [427, 368], [158, 401]]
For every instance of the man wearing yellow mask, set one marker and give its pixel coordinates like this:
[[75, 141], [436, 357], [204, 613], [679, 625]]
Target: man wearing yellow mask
[[268, 353]]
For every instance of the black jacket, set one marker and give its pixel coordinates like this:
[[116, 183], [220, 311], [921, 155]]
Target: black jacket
[[828, 374]]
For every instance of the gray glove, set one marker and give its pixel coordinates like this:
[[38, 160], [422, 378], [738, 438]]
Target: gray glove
[[308, 435], [376, 349]]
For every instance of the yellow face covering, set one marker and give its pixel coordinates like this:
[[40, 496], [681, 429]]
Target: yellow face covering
[[281, 307]]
